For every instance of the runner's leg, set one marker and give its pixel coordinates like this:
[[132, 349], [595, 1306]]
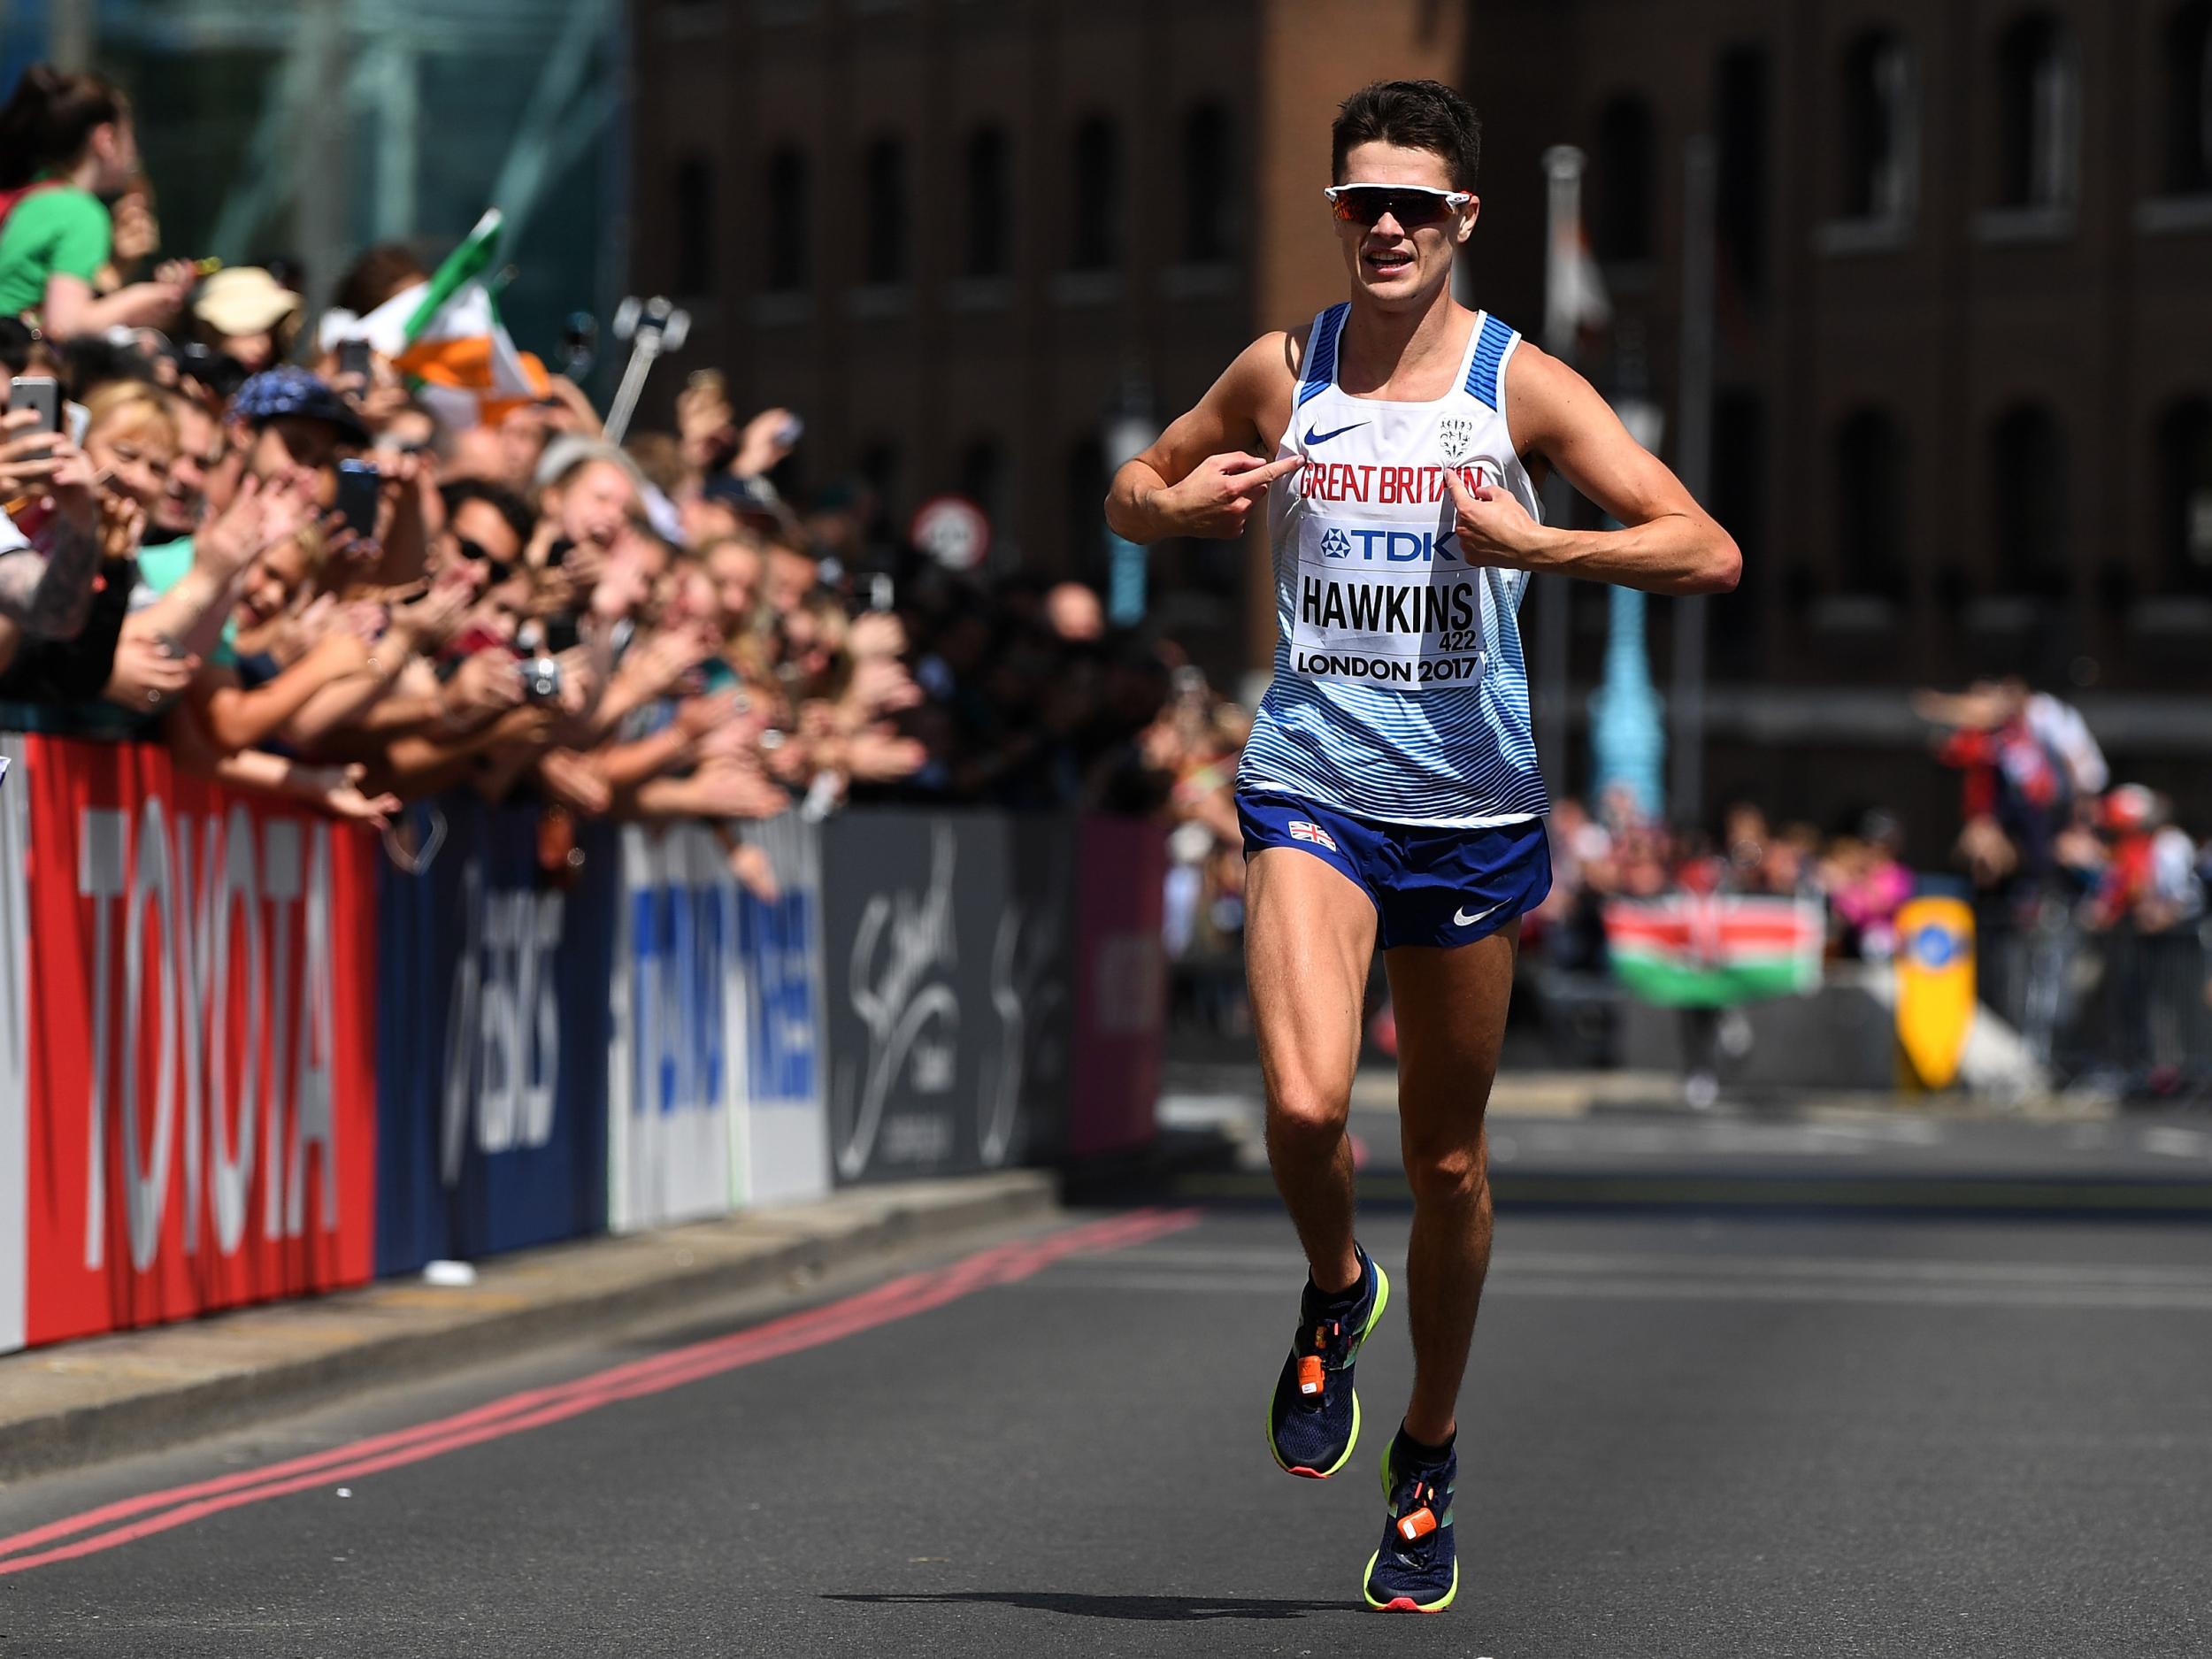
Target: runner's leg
[[1309, 936], [1451, 1019]]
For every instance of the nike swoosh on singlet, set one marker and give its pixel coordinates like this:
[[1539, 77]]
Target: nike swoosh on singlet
[[1460, 918], [1313, 437]]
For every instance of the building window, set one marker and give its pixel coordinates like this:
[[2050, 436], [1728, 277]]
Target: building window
[[2185, 450], [2039, 114], [1871, 462], [1881, 127], [1211, 196], [2188, 57], [885, 189], [790, 230], [983, 481], [1094, 203], [990, 202], [693, 189], [2027, 504], [1739, 500], [1622, 182], [1740, 205], [880, 470], [1084, 509]]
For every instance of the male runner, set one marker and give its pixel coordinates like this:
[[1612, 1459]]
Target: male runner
[[1390, 793]]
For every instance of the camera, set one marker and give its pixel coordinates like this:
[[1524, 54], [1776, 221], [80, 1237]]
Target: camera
[[541, 678]]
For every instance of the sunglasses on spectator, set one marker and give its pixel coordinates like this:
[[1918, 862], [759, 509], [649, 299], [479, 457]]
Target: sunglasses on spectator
[[1412, 205]]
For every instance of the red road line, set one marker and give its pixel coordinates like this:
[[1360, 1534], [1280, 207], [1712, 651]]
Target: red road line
[[899, 1299]]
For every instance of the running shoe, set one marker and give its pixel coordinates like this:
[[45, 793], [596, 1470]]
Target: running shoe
[[1416, 1569], [1313, 1416]]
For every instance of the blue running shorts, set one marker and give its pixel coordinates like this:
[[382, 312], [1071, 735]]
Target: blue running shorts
[[1429, 886]]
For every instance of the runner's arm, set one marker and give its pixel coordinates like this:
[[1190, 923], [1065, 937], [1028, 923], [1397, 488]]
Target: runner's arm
[[1204, 473], [1669, 544]]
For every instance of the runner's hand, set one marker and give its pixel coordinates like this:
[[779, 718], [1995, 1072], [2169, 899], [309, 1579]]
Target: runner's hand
[[1218, 499], [1493, 527]]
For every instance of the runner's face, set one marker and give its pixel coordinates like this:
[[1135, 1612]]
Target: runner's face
[[1401, 267]]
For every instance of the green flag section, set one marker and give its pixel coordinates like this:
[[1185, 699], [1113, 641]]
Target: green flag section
[[1703, 951]]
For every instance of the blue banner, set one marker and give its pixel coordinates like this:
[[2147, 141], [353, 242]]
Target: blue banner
[[493, 1032]]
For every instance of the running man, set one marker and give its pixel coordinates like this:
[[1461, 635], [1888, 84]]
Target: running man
[[1390, 793]]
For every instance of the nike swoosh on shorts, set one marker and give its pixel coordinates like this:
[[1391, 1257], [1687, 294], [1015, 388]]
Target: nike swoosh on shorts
[[1460, 918], [1313, 437]]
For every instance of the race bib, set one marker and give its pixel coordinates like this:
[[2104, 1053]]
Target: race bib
[[1386, 604]]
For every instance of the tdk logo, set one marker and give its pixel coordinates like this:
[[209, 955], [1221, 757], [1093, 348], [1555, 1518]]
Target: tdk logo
[[1387, 544]]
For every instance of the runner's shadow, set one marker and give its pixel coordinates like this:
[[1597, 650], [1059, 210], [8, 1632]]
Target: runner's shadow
[[1145, 1608]]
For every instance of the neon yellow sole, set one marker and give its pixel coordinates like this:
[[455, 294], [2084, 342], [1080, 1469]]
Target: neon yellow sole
[[1406, 1603], [1382, 1300]]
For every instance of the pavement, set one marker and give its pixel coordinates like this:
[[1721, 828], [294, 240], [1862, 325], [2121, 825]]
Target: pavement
[[1683, 1434], [1626, 1139]]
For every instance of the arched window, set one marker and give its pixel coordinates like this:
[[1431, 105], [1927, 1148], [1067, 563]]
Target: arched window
[[1881, 127], [2038, 113], [989, 203], [1622, 180], [1211, 196], [2029, 502], [886, 208], [1871, 462], [691, 186], [2184, 453], [2188, 59], [790, 229], [1094, 203]]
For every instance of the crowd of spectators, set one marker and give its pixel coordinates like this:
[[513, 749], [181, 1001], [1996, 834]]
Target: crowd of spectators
[[277, 554]]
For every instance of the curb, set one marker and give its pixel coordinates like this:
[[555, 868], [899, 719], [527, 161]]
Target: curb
[[399, 1328]]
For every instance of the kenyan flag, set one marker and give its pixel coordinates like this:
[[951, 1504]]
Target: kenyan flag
[[1694, 951]]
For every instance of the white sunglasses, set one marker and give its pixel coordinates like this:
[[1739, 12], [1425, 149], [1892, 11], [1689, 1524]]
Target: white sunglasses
[[1410, 204]]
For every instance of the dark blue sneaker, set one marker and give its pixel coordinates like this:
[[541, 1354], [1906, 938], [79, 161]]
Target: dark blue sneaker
[[1313, 1416], [1416, 1569]]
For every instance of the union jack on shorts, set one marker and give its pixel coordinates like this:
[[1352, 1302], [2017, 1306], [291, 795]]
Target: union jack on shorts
[[1301, 831]]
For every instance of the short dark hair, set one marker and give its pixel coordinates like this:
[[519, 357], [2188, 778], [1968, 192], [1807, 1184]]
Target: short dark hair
[[1415, 115], [505, 502]]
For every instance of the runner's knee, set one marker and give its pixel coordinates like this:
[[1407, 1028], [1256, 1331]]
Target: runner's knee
[[1305, 1115], [1447, 1172]]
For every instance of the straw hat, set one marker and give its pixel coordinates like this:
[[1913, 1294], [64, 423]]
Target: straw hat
[[244, 300]]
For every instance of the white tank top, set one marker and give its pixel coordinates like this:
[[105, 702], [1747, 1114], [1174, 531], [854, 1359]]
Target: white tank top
[[1400, 694]]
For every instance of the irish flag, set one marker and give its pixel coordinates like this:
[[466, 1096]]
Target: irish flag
[[445, 333], [1704, 950]]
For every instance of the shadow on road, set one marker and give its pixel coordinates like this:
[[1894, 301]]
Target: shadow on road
[[1171, 1608]]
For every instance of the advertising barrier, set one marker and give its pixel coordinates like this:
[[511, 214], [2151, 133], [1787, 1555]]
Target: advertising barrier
[[1120, 987], [199, 1096], [785, 1147], [947, 962], [493, 1038], [15, 1036]]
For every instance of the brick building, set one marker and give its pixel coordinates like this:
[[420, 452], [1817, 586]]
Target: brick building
[[1963, 412]]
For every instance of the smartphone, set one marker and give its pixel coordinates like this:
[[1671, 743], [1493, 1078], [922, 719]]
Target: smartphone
[[353, 359], [881, 595], [41, 392], [790, 430], [358, 484], [557, 552]]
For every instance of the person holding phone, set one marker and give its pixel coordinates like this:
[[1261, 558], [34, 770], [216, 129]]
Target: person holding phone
[[66, 142], [46, 586]]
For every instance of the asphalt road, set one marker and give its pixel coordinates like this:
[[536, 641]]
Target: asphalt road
[[1749, 1436]]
